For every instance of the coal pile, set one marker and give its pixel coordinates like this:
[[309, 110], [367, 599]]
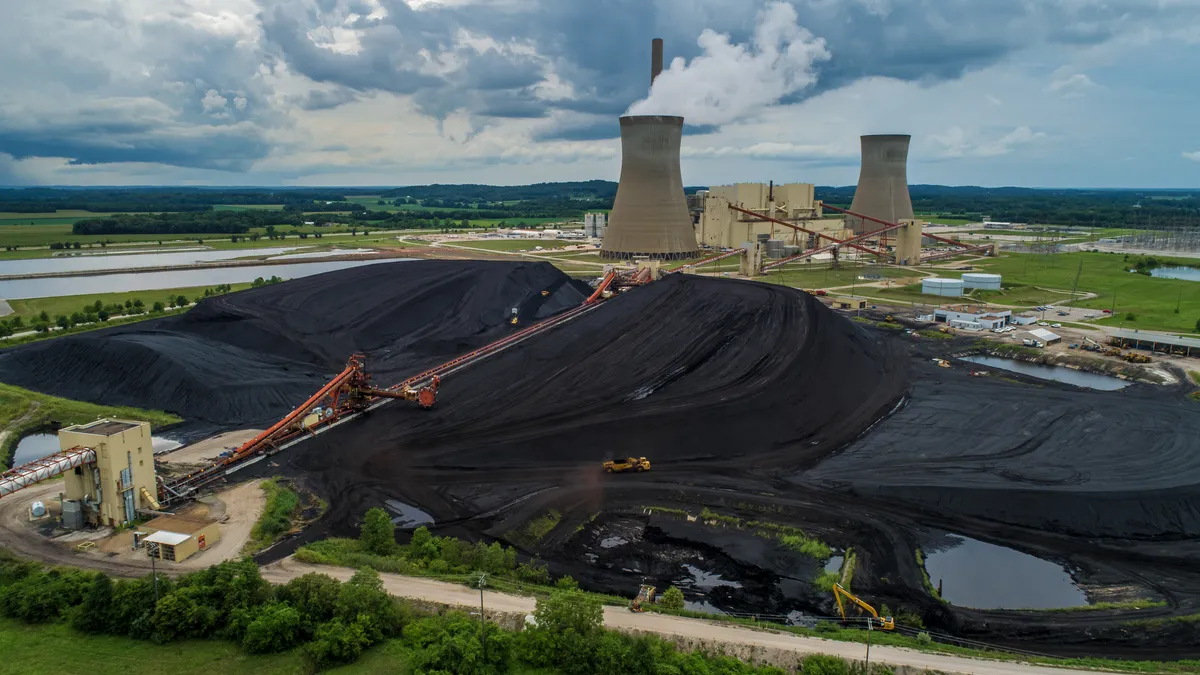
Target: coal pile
[[698, 374], [248, 358]]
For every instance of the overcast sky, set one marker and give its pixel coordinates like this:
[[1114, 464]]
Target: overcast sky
[[1043, 93]]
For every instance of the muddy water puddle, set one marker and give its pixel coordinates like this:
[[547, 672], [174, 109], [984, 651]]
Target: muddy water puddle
[[834, 564], [407, 516], [980, 575], [37, 446], [1078, 378]]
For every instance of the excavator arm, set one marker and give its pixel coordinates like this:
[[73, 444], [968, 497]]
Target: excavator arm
[[885, 623]]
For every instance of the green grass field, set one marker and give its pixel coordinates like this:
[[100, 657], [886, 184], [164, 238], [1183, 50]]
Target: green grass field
[[943, 220], [801, 276], [247, 207], [73, 303], [56, 649]]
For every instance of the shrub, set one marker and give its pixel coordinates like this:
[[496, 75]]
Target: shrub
[[378, 533], [363, 597], [338, 642], [278, 628], [566, 583], [819, 664], [672, 599], [314, 596], [95, 614], [453, 644], [923, 638]]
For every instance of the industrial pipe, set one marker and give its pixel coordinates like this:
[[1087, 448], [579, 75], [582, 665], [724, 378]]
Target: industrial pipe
[[41, 469]]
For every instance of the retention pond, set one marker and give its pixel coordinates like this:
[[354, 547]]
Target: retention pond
[[37, 446], [1078, 378], [980, 575]]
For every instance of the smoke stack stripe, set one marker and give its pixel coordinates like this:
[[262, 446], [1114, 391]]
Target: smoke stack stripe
[[650, 215], [882, 190], [656, 59]]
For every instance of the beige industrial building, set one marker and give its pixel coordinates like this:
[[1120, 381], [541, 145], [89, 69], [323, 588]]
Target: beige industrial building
[[722, 227], [178, 537], [120, 481]]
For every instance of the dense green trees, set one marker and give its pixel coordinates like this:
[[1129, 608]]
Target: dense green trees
[[378, 533]]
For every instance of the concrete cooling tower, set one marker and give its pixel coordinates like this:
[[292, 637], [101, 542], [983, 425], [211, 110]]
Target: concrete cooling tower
[[650, 214], [882, 183]]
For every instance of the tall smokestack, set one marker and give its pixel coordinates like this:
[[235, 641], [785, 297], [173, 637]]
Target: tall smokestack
[[882, 182], [650, 215], [656, 59]]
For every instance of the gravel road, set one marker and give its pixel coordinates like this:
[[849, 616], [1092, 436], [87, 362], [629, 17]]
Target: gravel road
[[622, 619]]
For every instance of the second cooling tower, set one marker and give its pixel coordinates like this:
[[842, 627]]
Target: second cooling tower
[[882, 183], [650, 214]]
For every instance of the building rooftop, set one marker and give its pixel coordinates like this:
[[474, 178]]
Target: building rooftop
[[991, 317], [187, 525], [168, 538], [1044, 335], [1173, 340], [967, 309], [105, 427]]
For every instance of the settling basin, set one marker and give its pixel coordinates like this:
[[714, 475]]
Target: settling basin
[[1079, 378], [1185, 273], [980, 575], [150, 281], [37, 446], [126, 260]]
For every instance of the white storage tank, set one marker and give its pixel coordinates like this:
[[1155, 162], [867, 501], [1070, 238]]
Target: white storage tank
[[987, 282], [939, 286]]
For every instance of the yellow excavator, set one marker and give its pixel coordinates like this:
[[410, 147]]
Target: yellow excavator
[[874, 621], [644, 597]]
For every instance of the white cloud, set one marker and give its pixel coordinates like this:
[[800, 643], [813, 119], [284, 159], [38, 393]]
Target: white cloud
[[1194, 156], [956, 142], [213, 102], [1071, 85]]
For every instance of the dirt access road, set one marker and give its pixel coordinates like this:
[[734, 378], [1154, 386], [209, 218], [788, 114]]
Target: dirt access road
[[620, 618]]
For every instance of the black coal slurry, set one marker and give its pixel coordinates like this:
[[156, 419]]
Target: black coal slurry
[[752, 400], [250, 357]]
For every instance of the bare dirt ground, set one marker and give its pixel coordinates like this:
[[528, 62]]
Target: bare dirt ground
[[203, 452], [670, 626], [238, 508]]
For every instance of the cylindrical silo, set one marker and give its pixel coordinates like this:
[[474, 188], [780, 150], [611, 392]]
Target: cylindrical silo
[[650, 215], [986, 282], [882, 182], [945, 287]]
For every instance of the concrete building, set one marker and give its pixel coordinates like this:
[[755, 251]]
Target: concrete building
[[970, 317], [987, 282], [1179, 345], [1024, 319], [121, 481], [952, 288], [722, 227], [594, 224], [178, 537], [650, 216], [882, 190]]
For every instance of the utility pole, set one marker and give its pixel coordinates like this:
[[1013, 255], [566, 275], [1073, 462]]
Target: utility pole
[[152, 551], [867, 669], [482, 633]]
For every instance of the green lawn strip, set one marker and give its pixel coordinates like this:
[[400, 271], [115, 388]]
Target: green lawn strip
[[802, 276], [42, 649], [278, 516], [66, 304], [1139, 603], [790, 536], [16, 403]]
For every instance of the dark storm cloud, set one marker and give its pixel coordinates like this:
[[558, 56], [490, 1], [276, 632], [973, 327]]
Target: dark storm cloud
[[601, 48]]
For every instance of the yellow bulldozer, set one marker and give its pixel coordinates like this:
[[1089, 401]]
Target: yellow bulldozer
[[644, 597], [636, 464]]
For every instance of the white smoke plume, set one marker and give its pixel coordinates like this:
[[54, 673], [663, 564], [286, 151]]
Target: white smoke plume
[[728, 82]]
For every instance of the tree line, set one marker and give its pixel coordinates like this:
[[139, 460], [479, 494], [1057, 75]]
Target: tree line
[[141, 200], [334, 622]]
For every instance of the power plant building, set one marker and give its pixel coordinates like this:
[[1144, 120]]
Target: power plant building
[[951, 288], [882, 190], [722, 227], [594, 224], [120, 481], [650, 215]]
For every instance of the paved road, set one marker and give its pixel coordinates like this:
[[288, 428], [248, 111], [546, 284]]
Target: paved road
[[622, 619]]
